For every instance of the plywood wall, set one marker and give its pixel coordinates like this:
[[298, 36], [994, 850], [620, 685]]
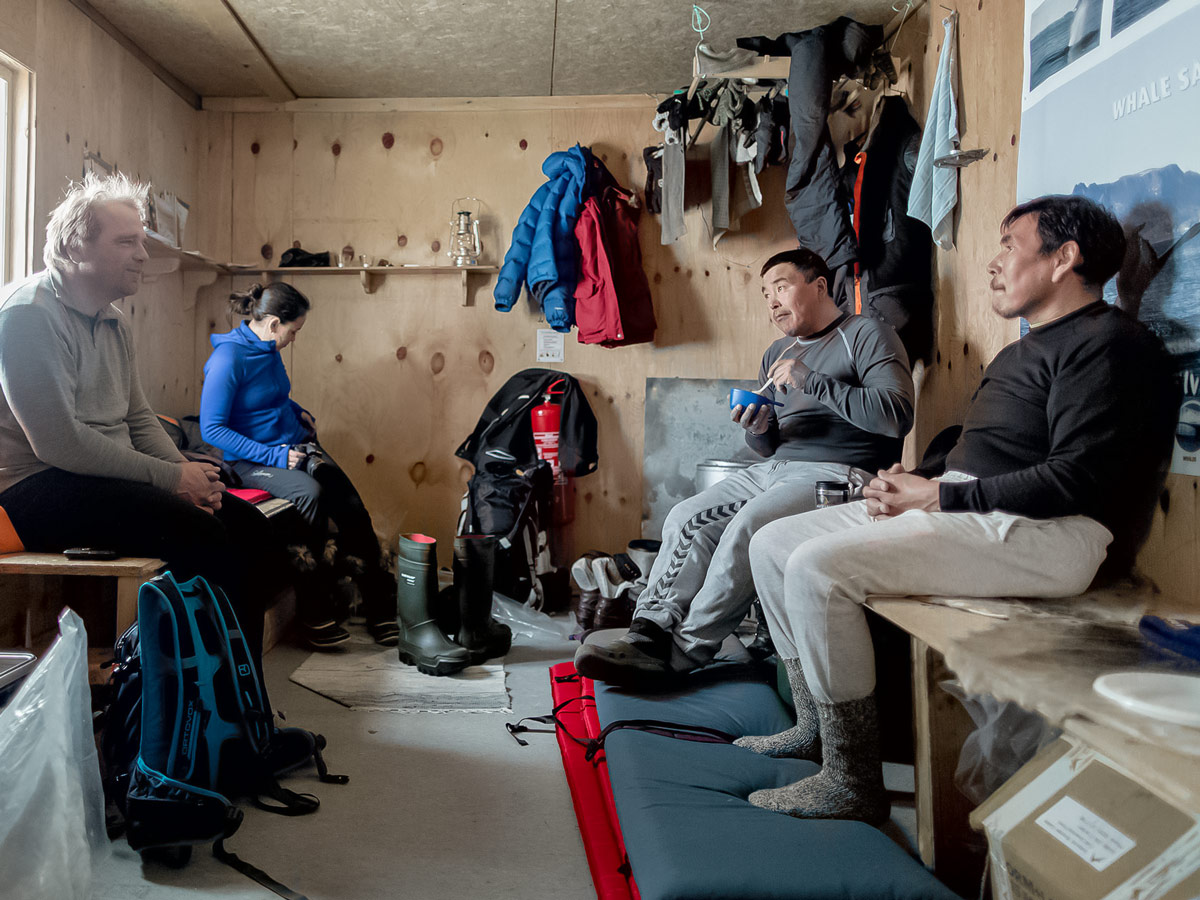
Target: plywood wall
[[398, 378], [92, 95]]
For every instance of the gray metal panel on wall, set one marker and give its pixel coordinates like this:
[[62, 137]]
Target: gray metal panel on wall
[[687, 422]]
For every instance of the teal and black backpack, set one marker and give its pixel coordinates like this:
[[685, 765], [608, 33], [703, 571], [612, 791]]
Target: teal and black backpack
[[190, 728]]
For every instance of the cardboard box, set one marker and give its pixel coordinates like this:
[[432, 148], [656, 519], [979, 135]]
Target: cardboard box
[[1071, 825]]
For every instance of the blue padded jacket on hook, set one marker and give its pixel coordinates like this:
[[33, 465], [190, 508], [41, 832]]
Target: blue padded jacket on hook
[[543, 251]]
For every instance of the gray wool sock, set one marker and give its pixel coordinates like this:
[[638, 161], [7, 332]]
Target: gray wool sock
[[802, 740], [850, 784]]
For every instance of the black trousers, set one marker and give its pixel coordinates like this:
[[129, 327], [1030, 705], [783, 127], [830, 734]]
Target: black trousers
[[329, 495], [54, 510]]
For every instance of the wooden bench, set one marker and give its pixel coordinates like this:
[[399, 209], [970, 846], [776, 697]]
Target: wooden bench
[[130, 572], [1044, 655]]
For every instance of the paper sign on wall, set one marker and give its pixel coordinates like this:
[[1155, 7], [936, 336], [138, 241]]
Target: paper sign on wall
[[550, 345]]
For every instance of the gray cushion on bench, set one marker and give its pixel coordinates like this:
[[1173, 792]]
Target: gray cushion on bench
[[730, 697], [689, 831]]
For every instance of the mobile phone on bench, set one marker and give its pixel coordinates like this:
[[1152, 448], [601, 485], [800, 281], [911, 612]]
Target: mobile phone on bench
[[92, 553]]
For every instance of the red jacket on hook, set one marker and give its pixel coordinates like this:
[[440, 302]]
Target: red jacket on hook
[[612, 296]]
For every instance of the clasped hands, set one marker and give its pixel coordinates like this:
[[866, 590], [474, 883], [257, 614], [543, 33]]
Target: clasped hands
[[893, 491], [200, 484]]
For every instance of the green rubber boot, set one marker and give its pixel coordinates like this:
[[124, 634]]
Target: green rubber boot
[[421, 642]]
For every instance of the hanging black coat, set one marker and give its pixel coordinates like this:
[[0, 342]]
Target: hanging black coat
[[895, 251], [504, 435], [815, 199]]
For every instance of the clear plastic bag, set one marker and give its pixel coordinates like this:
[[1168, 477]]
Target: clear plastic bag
[[1006, 736], [525, 620], [51, 803]]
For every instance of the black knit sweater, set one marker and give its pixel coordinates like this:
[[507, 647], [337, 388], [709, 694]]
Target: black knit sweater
[[1076, 418]]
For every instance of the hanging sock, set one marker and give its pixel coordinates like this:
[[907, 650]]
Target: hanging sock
[[652, 157], [744, 150], [719, 161], [934, 192], [672, 193]]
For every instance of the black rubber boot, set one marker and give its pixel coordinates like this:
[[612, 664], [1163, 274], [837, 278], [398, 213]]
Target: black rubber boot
[[421, 642], [474, 570]]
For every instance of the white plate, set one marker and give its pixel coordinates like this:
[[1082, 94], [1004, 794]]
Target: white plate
[[1161, 695]]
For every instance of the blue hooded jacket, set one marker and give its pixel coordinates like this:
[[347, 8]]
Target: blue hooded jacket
[[543, 253], [245, 410]]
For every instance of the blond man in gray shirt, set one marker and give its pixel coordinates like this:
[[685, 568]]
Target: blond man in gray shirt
[[84, 461]]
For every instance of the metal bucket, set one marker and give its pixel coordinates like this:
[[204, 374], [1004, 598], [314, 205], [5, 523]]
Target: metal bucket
[[710, 471]]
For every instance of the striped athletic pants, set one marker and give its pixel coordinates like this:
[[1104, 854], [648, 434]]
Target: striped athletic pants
[[700, 586]]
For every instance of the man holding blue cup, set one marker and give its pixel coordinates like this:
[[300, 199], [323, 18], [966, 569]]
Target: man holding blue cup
[[835, 404]]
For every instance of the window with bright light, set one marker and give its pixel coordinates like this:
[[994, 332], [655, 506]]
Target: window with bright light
[[16, 98]]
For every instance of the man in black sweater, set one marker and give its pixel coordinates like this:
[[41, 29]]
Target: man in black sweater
[[1062, 455]]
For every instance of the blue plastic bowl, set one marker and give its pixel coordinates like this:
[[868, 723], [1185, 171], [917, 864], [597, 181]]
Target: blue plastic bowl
[[739, 397]]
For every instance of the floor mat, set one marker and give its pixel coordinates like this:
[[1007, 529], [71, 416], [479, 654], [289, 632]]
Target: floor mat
[[363, 675]]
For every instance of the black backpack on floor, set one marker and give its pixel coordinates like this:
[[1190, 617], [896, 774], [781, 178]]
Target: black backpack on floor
[[515, 504]]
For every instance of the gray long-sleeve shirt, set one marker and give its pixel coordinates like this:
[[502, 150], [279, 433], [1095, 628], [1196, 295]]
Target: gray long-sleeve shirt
[[70, 397], [856, 406]]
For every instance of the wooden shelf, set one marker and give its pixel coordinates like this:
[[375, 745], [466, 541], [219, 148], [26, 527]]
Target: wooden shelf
[[169, 258], [166, 258], [371, 276], [764, 67]]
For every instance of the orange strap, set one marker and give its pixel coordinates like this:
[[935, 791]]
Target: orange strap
[[860, 159]]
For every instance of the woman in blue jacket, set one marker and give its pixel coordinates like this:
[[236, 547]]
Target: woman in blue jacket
[[271, 442]]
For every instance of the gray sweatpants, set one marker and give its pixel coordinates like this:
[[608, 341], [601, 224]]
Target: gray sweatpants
[[700, 586], [814, 571]]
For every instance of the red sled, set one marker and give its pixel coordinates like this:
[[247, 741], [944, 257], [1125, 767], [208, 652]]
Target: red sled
[[591, 792]]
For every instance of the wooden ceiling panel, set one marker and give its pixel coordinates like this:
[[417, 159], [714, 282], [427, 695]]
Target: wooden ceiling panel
[[414, 48], [178, 36], [447, 48], [633, 46]]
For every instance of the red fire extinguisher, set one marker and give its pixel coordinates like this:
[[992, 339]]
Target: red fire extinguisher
[[546, 418]]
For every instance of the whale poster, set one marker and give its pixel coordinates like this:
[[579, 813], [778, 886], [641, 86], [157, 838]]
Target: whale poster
[[1111, 111]]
